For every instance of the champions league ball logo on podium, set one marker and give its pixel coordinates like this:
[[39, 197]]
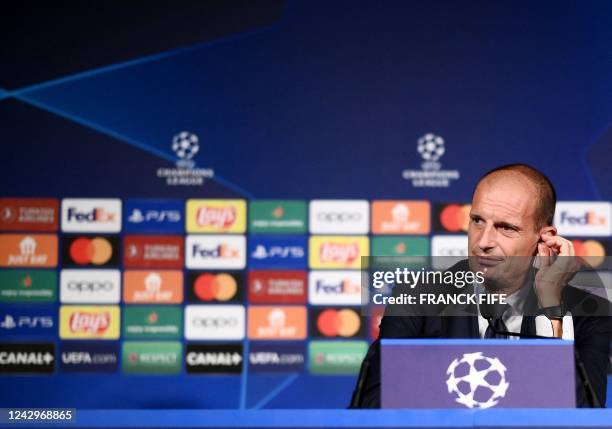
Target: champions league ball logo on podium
[[431, 147], [477, 381]]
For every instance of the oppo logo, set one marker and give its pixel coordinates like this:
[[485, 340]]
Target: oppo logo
[[90, 286], [214, 322], [339, 216]]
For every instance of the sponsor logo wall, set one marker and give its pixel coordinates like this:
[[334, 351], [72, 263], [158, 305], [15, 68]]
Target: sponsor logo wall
[[142, 286]]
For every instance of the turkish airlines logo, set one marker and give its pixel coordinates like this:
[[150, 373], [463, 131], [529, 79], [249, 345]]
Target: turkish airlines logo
[[150, 251], [29, 214], [216, 252], [214, 322], [90, 286], [91, 215], [277, 287], [339, 217], [588, 219]]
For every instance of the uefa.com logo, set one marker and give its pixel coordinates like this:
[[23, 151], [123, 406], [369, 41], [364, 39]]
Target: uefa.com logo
[[431, 148], [185, 146]]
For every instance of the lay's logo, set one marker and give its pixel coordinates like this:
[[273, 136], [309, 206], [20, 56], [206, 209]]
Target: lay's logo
[[89, 322], [337, 251], [216, 216]]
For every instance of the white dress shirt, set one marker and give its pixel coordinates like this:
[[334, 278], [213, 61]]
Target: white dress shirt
[[513, 317]]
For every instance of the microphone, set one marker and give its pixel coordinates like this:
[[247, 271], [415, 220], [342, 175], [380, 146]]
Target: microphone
[[494, 311]]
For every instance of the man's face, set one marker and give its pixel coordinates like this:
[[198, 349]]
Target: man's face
[[502, 228]]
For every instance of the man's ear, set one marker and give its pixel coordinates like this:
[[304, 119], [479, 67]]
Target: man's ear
[[548, 231], [544, 231]]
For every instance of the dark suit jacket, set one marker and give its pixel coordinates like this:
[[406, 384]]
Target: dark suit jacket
[[592, 337]]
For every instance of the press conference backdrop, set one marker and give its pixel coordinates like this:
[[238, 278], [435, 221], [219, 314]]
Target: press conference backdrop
[[188, 186]]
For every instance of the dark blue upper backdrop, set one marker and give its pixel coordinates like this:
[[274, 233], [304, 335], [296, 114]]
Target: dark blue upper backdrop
[[330, 99], [303, 100]]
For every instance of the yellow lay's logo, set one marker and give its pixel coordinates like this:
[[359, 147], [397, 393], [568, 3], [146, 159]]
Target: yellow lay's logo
[[89, 322], [337, 251], [216, 216]]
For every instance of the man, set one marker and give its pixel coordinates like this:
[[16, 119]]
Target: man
[[512, 240]]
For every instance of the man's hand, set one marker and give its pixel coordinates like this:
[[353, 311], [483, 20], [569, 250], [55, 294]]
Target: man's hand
[[557, 264]]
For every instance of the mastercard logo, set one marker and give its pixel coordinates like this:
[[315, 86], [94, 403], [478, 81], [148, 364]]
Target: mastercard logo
[[455, 217], [338, 323], [97, 251], [593, 251], [219, 287]]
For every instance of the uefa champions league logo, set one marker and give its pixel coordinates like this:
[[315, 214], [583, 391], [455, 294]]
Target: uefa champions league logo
[[185, 146], [477, 381], [431, 147]]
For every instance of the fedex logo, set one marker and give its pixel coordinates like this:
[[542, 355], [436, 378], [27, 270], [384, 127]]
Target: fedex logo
[[91, 215], [589, 218], [215, 251], [96, 215], [336, 287], [584, 219], [221, 251]]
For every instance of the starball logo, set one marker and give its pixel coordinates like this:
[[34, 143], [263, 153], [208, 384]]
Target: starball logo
[[431, 148]]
